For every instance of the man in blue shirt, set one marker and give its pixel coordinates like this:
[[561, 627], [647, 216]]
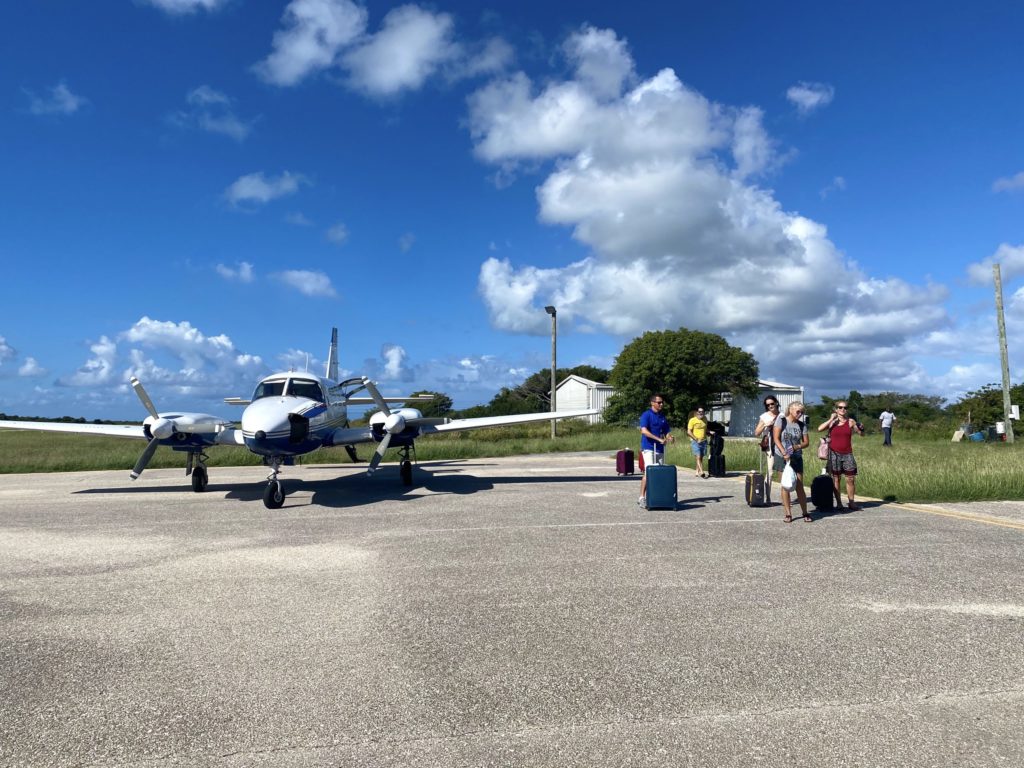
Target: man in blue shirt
[[654, 434]]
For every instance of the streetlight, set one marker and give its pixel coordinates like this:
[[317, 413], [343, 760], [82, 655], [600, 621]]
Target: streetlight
[[554, 336]]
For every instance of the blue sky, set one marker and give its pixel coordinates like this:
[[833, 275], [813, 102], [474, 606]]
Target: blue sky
[[196, 191]]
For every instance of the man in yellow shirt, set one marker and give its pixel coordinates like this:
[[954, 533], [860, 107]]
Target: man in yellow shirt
[[697, 429]]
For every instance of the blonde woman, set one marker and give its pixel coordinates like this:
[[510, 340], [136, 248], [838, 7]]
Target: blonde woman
[[790, 437]]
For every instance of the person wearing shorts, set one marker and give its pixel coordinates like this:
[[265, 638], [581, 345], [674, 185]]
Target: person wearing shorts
[[840, 456], [697, 430], [655, 432], [789, 436]]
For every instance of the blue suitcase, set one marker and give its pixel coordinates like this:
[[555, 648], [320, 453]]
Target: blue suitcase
[[661, 487]]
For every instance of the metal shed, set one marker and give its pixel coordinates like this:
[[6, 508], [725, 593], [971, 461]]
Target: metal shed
[[740, 414], [576, 392]]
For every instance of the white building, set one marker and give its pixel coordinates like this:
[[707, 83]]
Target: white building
[[575, 392], [740, 413]]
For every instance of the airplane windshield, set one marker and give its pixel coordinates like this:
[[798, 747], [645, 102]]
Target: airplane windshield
[[268, 389], [310, 389]]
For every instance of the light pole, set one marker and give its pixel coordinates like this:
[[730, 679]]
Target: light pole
[[554, 336]]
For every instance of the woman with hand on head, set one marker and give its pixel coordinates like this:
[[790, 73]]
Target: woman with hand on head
[[789, 436], [840, 455]]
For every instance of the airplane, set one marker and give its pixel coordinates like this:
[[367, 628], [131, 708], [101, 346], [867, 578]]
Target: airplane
[[288, 415]]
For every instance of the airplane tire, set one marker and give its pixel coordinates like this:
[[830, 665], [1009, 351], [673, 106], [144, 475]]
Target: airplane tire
[[406, 472], [199, 479], [273, 496]]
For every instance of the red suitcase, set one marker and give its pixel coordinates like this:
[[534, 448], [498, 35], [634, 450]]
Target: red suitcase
[[624, 462]]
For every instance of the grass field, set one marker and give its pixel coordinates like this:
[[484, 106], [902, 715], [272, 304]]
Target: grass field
[[916, 469]]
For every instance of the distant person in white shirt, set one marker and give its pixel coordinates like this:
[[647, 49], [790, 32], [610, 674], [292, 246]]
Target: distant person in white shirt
[[887, 419]]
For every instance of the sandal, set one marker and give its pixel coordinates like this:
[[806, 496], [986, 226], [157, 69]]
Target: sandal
[[808, 518], [852, 507], [787, 519]]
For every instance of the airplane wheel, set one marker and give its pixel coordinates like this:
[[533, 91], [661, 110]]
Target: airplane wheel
[[406, 472], [199, 479], [273, 497]]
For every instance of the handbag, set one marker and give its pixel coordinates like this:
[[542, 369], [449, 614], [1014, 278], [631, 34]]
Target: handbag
[[789, 477], [823, 448]]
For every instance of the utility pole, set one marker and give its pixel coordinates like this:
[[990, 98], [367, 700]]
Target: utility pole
[[1003, 353], [554, 336]]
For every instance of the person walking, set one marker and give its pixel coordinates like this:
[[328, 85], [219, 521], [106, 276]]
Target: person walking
[[789, 436], [697, 430], [655, 432], [887, 419], [840, 455], [764, 431]]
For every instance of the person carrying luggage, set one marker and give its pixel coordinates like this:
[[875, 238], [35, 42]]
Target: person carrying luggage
[[789, 435], [655, 432], [840, 456], [764, 431]]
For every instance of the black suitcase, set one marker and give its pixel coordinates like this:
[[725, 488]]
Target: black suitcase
[[624, 462], [661, 487], [755, 490], [716, 465], [716, 444], [822, 496]]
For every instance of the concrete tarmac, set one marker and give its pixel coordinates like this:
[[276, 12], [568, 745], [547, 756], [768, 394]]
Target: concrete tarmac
[[503, 612]]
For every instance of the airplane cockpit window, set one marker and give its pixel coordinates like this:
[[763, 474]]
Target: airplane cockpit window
[[310, 389], [268, 389]]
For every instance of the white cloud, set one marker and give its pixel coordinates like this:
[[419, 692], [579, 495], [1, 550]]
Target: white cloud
[[31, 369], [212, 111], [808, 97], [1009, 184], [298, 219], [7, 352], [406, 242], [96, 370], [242, 272], [59, 101], [411, 45], [653, 180], [180, 7], [338, 234], [394, 356], [838, 184], [602, 61], [1011, 265], [315, 31], [307, 282], [258, 189]]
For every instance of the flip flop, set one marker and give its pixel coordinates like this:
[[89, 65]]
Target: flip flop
[[808, 518], [787, 519]]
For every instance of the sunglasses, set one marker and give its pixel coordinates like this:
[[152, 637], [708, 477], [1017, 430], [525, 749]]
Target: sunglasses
[[658, 402], [840, 407], [771, 405]]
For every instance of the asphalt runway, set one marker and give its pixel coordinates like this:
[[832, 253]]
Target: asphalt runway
[[504, 612]]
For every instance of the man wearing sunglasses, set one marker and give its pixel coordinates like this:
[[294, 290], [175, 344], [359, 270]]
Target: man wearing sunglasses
[[654, 434]]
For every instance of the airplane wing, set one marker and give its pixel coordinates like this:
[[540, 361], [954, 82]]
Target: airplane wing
[[111, 430], [500, 421]]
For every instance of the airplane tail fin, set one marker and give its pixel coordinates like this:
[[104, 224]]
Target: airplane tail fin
[[332, 357]]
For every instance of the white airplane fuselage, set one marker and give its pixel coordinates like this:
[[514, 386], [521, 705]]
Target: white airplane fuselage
[[292, 414]]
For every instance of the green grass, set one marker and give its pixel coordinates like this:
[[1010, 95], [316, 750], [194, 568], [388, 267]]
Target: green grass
[[919, 468]]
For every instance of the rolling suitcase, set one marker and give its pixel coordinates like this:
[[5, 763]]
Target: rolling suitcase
[[624, 462], [716, 465], [661, 486], [756, 487], [822, 496]]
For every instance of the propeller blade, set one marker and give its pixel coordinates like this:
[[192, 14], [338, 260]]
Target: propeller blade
[[144, 397], [379, 453], [375, 394], [144, 459]]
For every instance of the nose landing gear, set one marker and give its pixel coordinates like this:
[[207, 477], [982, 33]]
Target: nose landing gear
[[196, 467], [273, 496], [405, 468]]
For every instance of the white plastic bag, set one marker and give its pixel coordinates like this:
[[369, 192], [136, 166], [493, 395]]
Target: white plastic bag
[[788, 477]]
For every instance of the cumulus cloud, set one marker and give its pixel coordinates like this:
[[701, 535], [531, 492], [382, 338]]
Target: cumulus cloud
[[315, 32], [7, 352], [654, 179], [307, 282], [98, 369], [1009, 184], [58, 101], [257, 189], [410, 46], [182, 7], [242, 272], [31, 369], [210, 110], [1011, 265], [338, 234], [810, 97]]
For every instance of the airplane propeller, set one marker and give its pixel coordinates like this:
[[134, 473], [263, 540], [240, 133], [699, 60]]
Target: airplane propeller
[[160, 428], [394, 423]]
